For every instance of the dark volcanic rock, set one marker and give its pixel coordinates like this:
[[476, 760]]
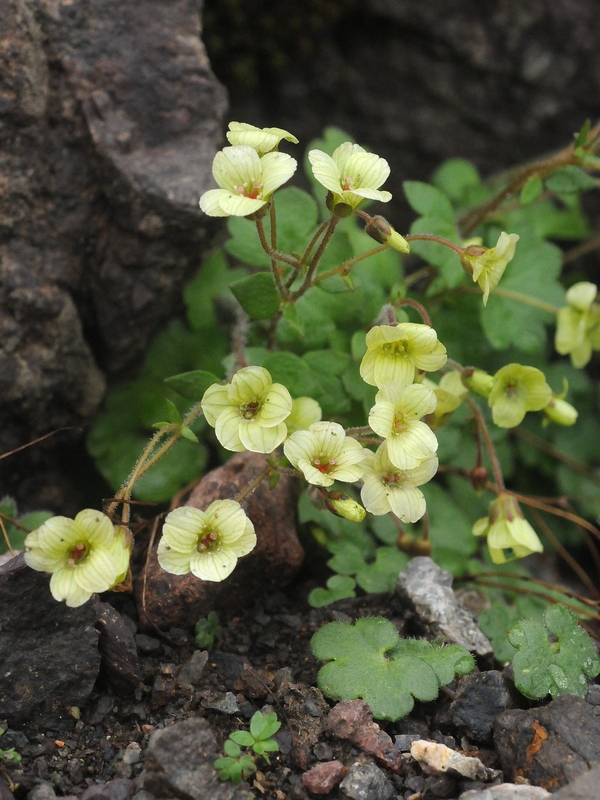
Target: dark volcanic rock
[[366, 782], [120, 663], [178, 601], [480, 698], [109, 121], [549, 746], [179, 763], [49, 653]]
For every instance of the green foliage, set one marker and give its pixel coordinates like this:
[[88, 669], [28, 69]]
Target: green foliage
[[29, 522], [257, 295], [235, 766], [370, 661], [339, 587], [9, 756], [555, 657], [207, 630], [570, 179]]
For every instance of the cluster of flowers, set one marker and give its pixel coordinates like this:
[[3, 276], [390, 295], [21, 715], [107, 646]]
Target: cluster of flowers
[[578, 328]]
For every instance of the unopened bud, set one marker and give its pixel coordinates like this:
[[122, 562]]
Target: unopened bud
[[380, 229], [342, 505], [561, 412], [479, 478], [478, 381]]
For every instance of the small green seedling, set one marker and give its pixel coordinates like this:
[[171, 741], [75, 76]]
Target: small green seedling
[[207, 630], [9, 756], [555, 664], [369, 660], [234, 766]]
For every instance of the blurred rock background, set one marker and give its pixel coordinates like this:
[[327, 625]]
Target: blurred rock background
[[111, 112]]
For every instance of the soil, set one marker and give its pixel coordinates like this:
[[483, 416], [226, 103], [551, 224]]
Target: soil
[[263, 658]]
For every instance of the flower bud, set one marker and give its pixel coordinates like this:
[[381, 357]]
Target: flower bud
[[478, 381], [561, 412], [342, 505], [473, 251], [379, 228], [479, 478]]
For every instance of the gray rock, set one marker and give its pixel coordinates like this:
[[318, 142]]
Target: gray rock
[[226, 704], [191, 671], [179, 763], [585, 787], [49, 652], [403, 741], [508, 791], [549, 746], [43, 791], [366, 782], [427, 590], [480, 698]]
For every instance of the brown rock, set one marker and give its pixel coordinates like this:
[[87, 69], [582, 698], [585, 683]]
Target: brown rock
[[549, 746], [353, 720], [173, 600], [324, 777]]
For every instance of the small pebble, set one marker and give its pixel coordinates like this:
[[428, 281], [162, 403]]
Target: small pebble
[[324, 777]]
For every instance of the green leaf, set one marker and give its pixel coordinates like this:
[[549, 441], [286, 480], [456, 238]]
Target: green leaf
[[428, 201], [448, 262], [541, 666], [207, 630], [257, 295], [445, 660], [172, 412], [570, 179], [531, 190], [244, 243], [263, 726], [243, 738], [294, 320], [582, 137], [211, 281], [329, 362], [361, 663], [382, 575], [231, 748], [192, 384], [339, 587], [495, 622], [293, 372], [533, 272], [455, 177]]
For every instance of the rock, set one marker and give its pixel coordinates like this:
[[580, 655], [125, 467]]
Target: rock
[[179, 763], [174, 600], [508, 791], [225, 703], [551, 745], [427, 590], [49, 652], [479, 699], [438, 758], [403, 741], [146, 644], [324, 777], [191, 671], [353, 720], [120, 663], [110, 121], [43, 791], [366, 782], [585, 787], [115, 789]]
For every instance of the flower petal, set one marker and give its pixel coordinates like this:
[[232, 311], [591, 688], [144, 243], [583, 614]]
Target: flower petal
[[64, 587], [172, 561], [277, 168], [275, 406], [227, 518], [210, 202], [213, 565], [248, 384], [227, 430], [325, 170], [96, 572], [236, 166], [183, 527], [96, 527], [214, 401], [407, 502], [257, 439]]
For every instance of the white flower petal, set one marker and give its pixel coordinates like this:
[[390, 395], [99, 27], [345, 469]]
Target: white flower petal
[[96, 527], [214, 401], [277, 169], [210, 202], [183, 527], [325, 170], [248, 384], [259, 439], [276, 405], [227, 518], [172, 561], [227, 430], [236, 205], [96, 572], [407, 502], [237, 166], [64, 587], [246, 542], [374, 496]]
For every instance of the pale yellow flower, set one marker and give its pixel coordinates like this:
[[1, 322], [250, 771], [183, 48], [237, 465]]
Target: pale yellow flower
[[263, 140], [325, 454], [450, 393], [578, 324], [389, 489], [509, 535], [516, 390], [206, 543], [396, 417], [85, 555], [304, 412], [351, 174], [248, 413], [396, 352], [246, 181], [487, 264]]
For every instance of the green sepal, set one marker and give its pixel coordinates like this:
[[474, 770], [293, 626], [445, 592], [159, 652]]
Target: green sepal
[[531, 190]]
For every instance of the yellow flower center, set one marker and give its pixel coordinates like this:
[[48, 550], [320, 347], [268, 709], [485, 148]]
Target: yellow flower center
[[395, 349], [252, 191], [348, 184], [77, 553], [207, 541]]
